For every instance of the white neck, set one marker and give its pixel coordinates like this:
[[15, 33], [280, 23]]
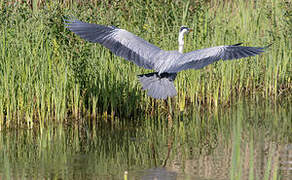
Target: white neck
[[181, 42]]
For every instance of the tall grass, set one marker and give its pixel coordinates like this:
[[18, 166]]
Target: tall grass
[[48, 74]]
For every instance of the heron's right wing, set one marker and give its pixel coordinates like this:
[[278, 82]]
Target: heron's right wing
[[203, 57], [119, 41]]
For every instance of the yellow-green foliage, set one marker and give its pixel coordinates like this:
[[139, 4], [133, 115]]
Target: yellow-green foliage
[[48, 74]]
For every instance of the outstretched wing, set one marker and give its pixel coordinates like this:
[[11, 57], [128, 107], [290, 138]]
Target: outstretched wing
[[203, 57], [119, 41]]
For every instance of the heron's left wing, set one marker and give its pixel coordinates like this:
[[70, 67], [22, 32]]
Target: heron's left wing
[[119, 41], [203, 57]]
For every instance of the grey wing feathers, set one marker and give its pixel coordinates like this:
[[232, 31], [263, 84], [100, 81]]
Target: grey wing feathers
[[203, 57], [119, 41]]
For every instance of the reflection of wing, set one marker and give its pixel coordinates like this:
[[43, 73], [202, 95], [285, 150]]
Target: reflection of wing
[[203, 57], [119, 41]]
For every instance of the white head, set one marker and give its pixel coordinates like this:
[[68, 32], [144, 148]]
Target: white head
[[183, 30]]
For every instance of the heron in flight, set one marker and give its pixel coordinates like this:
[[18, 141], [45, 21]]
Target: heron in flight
[[166, 64]]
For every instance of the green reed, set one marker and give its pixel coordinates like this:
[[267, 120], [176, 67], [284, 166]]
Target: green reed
[[49, 74], [243, 141]]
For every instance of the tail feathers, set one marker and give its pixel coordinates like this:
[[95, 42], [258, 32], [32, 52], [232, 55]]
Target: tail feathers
[[158, 86]]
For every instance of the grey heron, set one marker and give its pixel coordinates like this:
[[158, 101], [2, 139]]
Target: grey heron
[[166, 64]]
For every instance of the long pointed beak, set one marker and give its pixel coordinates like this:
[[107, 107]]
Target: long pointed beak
[[190, 30]]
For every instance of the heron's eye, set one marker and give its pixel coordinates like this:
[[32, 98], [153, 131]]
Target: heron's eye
[[182, 28]]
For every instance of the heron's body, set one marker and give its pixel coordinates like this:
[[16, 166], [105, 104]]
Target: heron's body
[[165, 63]]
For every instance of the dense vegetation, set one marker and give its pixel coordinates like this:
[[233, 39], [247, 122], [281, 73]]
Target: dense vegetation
[[48, 74], [246, 141]]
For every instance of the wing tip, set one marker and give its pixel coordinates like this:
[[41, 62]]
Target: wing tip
[[238, 44], [266, 47], [69, 19]]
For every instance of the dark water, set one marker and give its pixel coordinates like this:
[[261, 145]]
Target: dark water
[[244, 141]]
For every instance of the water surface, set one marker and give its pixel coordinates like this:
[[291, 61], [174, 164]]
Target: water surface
[[245, 141]]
